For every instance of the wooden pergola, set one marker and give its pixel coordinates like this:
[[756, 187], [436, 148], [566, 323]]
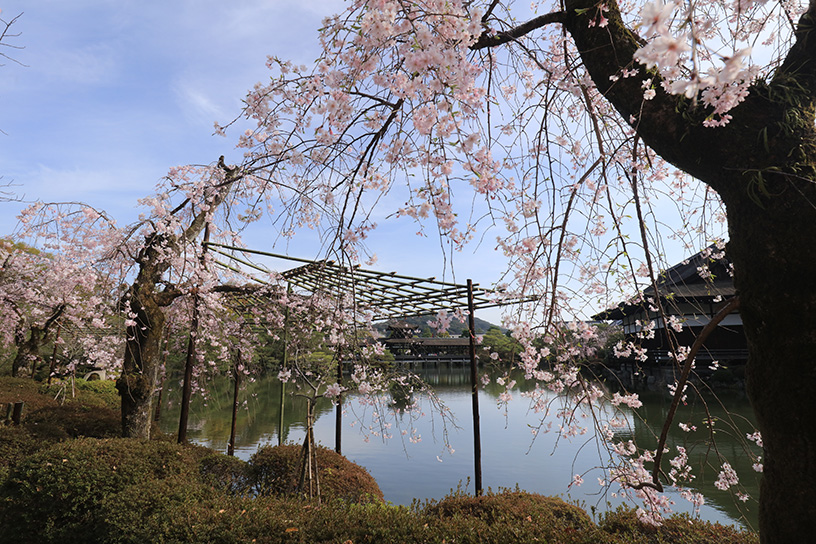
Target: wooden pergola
[[387, 295]]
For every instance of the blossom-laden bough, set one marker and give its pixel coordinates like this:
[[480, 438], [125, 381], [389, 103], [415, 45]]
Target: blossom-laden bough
[[57, 299], [574, 138], [561, 126]]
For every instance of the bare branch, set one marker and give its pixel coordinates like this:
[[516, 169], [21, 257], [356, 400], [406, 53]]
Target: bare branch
[[499, 38], [731, 306], [4, 35]]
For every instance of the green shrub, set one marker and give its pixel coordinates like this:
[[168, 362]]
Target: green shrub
[[55, 494], [624, 526], [154, 511], [228, 520], [225, 472], [16, 444], [175, 510], [276, 471], [74, 420], [510, 516], [370, 523], [101, 393]]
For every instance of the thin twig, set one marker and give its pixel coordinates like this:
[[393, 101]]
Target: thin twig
[[732, 305]]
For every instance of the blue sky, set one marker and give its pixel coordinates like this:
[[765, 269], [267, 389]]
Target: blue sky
[[113, 93], [109, 94]]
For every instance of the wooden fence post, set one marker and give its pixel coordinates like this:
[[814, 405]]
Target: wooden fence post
[[17, 413]]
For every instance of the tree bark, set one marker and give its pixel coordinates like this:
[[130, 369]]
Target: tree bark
[[28, 347], [763, 165], [142, 361], [140, 368], [774, 258]]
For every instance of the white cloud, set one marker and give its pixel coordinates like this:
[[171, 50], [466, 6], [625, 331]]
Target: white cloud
[[201, 107], [91, 65]]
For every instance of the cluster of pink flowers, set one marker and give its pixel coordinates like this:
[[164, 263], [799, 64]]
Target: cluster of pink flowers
[[726, 478], [685, 47]]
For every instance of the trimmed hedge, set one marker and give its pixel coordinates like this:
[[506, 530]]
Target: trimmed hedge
[[166, 510], [57, 492], [74, 420], [514, 515], [276, 472], [624, 526], [227, 473]]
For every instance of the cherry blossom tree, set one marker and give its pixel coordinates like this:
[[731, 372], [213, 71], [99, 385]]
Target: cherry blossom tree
[[167, 261], [40, 293], [579, 131], [146, 267], [585, 139], [26, 313]]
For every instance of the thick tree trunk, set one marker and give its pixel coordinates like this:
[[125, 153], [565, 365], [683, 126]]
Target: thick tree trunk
[[774, 255], [763, 164], [27, 351], [145, 302], [141, 365]]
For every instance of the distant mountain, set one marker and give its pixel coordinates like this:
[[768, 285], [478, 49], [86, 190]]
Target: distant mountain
[[421, 322]]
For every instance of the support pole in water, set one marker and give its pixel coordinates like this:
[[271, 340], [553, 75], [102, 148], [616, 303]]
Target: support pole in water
[[236, 372], [474, 384], [285, 365], [187, 386], [338, 418]]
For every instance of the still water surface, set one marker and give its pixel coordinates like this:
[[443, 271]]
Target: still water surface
[[511, 456]]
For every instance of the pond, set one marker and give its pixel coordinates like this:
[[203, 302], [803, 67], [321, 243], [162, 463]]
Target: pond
[[512, 455]]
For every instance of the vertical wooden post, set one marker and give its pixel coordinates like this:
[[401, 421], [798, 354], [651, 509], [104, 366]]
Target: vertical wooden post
[[309, 469], [17, 413], [34, 364], [237, 375], [285, 364], [338, 417], [474, 384], [52, 365], [280, 419], [187, 386]]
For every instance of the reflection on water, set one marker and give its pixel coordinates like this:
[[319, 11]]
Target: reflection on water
[[511, 454]]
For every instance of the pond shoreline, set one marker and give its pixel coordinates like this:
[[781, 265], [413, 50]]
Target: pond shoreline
[[512, 455]]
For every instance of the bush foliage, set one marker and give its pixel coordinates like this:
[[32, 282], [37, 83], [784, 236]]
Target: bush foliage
[[59, 489], [529, 516], [276, 471], [55, 488]]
